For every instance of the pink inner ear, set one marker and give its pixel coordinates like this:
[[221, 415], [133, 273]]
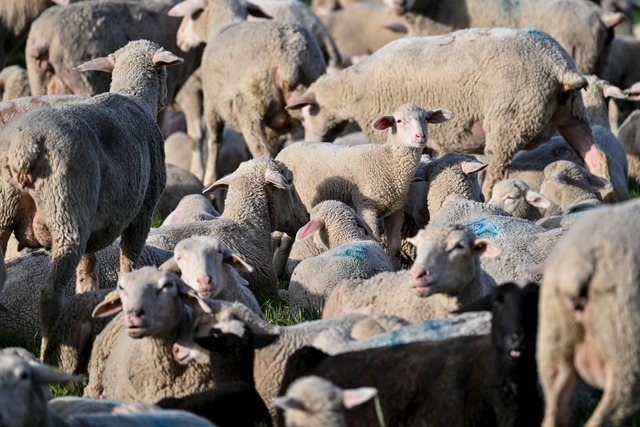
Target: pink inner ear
[[384, 122], [310, 228], [487, 248], [187, 7]]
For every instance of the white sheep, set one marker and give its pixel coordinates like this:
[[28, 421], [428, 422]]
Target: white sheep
[[211, 269], [49, 201], [590, 316], [132, 357], [629, 135], [374, 179], [14, 82], [447, 262], [443, 66], [315, 402], [248, 95], [517, 198], [24, 404], [262, 198], [193, 207]]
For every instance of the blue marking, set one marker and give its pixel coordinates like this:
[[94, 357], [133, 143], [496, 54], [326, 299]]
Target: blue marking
[[508, 4], [537, 33], [356, 252], [486, 227]]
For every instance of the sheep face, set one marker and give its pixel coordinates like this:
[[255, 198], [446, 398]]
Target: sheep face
[[409, 122], [447, 259], [193, 28], [287, 211]]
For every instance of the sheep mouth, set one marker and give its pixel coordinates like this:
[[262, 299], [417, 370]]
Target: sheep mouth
[[424, 290], [136, 331]]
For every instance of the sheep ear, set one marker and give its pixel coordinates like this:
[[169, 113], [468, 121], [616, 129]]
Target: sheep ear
[[309, 228], [611, 20], [440, 115], [384, 122], [486, 248], [471, 167], [105, 64], [286, 402], [420, 175], [186, 8], [357, 396], [164, 57], [256, 11], [559, 178], [301, 101], [111, 305], [598, 182], [191, 298], [219, 184], [277, 180], [536, 199], [611, 91], [367, 229], [263, 340], [171, 265], [235, 259], [397, 27], [45, 374]]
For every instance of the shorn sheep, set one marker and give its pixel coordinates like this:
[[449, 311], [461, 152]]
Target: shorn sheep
[[75, 178], [374, 179], [590, 316], [503, 116]]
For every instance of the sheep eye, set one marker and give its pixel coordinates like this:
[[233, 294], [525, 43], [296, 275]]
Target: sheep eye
[[399, 121], [24, 375]]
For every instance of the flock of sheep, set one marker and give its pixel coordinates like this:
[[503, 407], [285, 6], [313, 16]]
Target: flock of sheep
[[458, 212]]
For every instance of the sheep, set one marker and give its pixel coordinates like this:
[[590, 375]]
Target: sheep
[[501, 125], [493, 377], [523, 243], [180, 183], [447, 262], [234, 401], [588, 42], [132, 358], [315, 402], [261, 199], [333, 341], [14, 82], [595, 97], [65, 36], [351, 174], [210, 268], [270, 361], [331, 224], [24, 404], [361, 28], [193, 207], [589, 316], [517, 198], [285, 55], [40, 158], [629, 135]]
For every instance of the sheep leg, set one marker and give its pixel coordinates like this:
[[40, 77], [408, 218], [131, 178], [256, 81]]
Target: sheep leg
[[86, 275], [579, 137], [215, 127], [254, 132], [392, 228], [618, 401], [132, 241]]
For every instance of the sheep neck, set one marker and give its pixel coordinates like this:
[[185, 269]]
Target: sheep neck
[[473, 289], [247, 204], [405, 159], [221, 14], [235, 365], [141, 86]]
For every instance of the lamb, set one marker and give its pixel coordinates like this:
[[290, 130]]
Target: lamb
[[517, 198], [285, 60], [629, 135], [25, 405], [14, 83], [587, 41], [132, 358], [193, 207], [523, 243], [588, 316], [261, 199], [447, 262], [234, 401], [65, 36], [270, 361], [332, 224], [63, 208], [493, 377], [534, 111], [211, 269], [351, 174], [180, 183], [315, 402]]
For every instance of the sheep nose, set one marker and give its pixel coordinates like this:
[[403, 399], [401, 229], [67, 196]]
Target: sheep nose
[[420, 136], [515, 339], [416, 275], [136, 312]]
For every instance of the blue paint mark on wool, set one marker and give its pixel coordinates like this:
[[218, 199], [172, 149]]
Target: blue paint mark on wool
[[537, 33], [356, 252], [507, 4], [486, 227]]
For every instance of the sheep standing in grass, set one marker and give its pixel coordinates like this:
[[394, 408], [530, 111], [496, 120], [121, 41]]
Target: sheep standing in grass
[[506, 115], [284, 61], [75, 178], [590, 316], [447, 262], [374, 179], [132, 357], [209, 268], [315, 402]]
